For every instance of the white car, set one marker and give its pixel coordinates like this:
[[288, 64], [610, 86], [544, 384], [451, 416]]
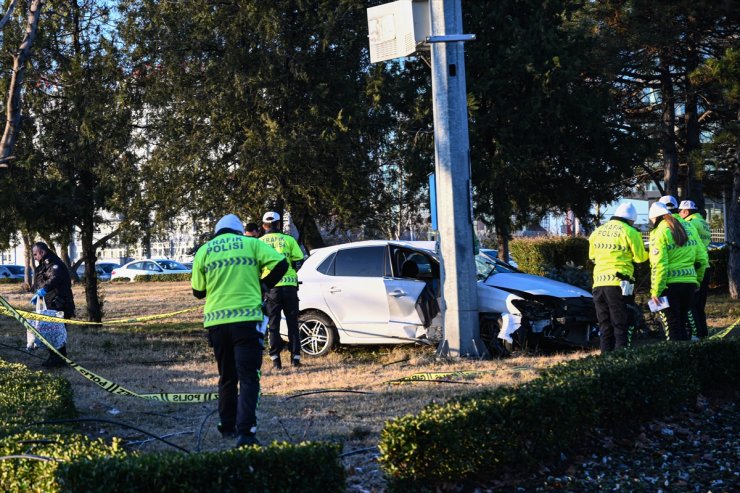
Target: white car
[[385, 292], [148, 268], [12, 271], [102, 269]]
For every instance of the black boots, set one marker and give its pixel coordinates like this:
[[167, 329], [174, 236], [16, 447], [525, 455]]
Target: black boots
[[54, 361]]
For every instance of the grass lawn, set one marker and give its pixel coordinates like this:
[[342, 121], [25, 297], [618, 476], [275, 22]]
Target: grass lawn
[[172, 356]]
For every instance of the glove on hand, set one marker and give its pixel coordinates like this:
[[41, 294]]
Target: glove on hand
[[39, 294]]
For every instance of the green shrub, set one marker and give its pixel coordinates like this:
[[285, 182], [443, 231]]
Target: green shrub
[[6, 280], [485, 435], [308, 467], [163, 278], [40, 475], [540, 255], [27, 396]]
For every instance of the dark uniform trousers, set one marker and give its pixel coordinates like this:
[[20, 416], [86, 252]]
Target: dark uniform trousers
[[283, 299], [238, 348], [698, 315], [675, 318], [611, 312]]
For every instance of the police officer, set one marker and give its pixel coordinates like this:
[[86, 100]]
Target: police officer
[[226, 271], [284, 296], [697, 315], [52, 282], [613, 247], [678, 260]]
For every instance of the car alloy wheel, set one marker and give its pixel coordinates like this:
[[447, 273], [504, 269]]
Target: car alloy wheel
[[316, 333]]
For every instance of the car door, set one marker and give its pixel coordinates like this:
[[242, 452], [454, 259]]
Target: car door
[[412, 272], [355, 293]]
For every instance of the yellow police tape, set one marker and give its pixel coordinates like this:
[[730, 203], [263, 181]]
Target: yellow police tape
[[103, 382], [441, 375], [723, 333], [122, 321]]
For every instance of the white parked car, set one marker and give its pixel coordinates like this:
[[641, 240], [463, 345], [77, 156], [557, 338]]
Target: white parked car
[[385, 292], [12, 271], [102, 269], [148, 268]]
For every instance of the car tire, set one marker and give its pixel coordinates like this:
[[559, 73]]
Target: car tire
[[490, 326], [317, 333]]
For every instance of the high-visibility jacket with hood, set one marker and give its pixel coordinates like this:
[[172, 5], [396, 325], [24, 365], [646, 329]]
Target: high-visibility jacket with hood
[[613, 247], [670, 263]]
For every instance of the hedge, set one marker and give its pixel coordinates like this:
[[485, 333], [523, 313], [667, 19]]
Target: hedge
[[9, 280], [484, 436], [156, 278], [28, 396], [308, 467], [41, 474]]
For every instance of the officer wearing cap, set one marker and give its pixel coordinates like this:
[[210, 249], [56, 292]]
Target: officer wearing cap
[[226, 271], [614, 247], [284, 296], [697, 315], [678, 260]]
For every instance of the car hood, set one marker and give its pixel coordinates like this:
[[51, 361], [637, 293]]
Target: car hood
[[535, 285]]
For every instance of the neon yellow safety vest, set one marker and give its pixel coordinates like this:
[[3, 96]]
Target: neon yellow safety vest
[[701, 226], [228, 269], [671, 264], [288, 247], [613, 247]]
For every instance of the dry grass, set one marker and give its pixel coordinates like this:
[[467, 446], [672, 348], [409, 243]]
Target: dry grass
[[173, 356]]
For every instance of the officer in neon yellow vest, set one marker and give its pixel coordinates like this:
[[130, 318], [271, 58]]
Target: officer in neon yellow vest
[[697, 315], [678, 260], [284, 296], [226, 271], [614, 247]]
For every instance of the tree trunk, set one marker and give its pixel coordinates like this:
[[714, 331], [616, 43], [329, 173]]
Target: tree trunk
[[27, 259], [501, 221], [694, 185], [732, 228], [667, 130], [94, 305], [15, 88], [308, 232]]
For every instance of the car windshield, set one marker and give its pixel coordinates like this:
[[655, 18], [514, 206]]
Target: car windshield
[[171, 265], [485, 267]]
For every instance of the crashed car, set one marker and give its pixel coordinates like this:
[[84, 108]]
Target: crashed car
[[550, 310], [387, 292]]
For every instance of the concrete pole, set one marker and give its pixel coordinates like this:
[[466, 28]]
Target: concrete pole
[[454, 200]]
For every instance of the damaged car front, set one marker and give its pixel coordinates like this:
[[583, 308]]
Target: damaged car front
[[547, 310]]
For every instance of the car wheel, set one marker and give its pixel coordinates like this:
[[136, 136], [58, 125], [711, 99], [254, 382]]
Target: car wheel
[[317, 333], [490, 326]]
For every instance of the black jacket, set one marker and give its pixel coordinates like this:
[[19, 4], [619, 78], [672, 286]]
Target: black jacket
[[52, 275]]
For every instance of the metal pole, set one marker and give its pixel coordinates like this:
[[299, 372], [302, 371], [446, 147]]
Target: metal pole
[[454, 200]]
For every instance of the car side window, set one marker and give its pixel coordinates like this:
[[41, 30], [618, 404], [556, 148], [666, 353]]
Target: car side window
[[361, 262], [327, 266], [137, 266]]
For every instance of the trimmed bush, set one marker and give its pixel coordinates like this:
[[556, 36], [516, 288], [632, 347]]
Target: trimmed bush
[[40, 474], [308, 467], [163, 278], [27, 396], [6, 280], [540, 255], [483, 436]]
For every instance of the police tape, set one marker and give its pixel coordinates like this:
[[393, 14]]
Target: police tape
[[103, 382], [723, 333], [122, 321], [442, 375]]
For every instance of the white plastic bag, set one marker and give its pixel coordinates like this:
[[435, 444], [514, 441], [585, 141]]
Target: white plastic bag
[[54, 332]]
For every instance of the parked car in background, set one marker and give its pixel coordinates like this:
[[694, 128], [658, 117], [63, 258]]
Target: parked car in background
[[147, 268], [387, 292], [12, 271], [102, 269], [188, 265], [492, 255]]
